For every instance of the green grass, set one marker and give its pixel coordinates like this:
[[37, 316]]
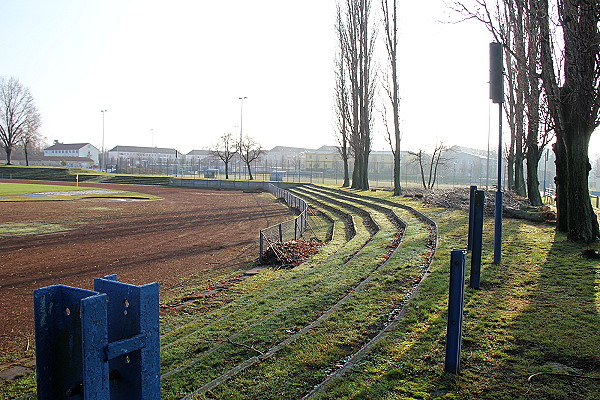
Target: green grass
[[27, 188], [538, 311], [13, 191]]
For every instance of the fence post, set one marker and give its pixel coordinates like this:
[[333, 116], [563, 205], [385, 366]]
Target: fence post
[[280, 234], [455, 311], [134, 341], [474, 279], [98, 345], [63, 360], [472, 190], [295, 228], [498, 210], [261, 246]]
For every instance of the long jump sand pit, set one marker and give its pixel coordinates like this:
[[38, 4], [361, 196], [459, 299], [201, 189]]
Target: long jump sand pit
[[187, 233]]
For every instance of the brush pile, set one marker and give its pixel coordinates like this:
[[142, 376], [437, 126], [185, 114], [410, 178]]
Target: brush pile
[[292, 253]]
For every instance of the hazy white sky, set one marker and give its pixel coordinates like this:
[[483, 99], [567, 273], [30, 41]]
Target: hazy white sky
[[178, 68]]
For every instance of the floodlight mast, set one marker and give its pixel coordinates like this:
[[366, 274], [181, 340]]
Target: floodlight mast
[[497, 96], [242, 117], [103, 159]]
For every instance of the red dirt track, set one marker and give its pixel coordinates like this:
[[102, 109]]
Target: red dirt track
[[165, 241]]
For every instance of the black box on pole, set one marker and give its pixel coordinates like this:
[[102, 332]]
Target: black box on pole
[[496, 73]]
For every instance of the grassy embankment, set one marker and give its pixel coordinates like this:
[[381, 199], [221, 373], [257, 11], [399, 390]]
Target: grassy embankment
[[538, 311]]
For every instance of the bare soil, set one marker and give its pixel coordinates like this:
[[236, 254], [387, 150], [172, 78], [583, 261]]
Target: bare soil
[[188, 232]]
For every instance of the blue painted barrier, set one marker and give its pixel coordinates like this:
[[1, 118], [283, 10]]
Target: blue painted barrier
[[455, 311], [98, 345], [498, 207], [472, 190], [474, 280]]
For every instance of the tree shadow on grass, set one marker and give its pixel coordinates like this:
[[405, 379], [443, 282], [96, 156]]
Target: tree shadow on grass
[[536, 312]]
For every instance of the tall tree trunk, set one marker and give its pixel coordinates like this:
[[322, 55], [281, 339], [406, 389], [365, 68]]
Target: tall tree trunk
[[583, 224], [574, 109], [249, 171], [8, 151], [226, 170], [519, 171], [533, 183], [346, 172], [397, 183]]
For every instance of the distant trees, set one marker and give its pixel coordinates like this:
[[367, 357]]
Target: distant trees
[[512, 24], [249, 150], [19, 117], [225, 149], [431, 164]]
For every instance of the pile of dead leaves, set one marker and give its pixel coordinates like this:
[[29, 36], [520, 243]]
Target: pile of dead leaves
[[292, 253]]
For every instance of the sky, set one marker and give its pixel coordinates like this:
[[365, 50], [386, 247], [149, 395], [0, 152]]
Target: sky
[[170, 74]]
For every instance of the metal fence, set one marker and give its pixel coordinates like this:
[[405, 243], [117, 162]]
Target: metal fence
[[285, 231]]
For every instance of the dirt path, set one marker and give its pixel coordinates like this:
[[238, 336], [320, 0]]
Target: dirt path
[[164, 241]]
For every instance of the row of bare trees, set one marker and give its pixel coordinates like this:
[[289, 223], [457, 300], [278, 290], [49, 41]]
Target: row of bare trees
[[356, 80], [552, 49], [355, 87], [246, 148], [19, 118]]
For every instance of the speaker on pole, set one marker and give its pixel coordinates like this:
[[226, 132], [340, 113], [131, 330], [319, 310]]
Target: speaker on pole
[[496, 73]]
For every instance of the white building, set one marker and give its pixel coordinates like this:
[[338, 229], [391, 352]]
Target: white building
[[73, 150]]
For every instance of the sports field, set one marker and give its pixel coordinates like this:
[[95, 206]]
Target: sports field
[[175, 238]]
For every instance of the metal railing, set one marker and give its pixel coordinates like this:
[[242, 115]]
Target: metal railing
[[288, 230]]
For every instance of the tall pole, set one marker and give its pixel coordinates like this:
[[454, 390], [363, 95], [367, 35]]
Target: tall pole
[[152, 147], [241, 131], [103, 159], [497, 96], [242, 117]]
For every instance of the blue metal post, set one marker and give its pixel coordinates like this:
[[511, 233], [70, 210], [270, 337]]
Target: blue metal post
[[455, 311], [63, 315], [499, 196], [474, 280], [472, 190], [133, 352]]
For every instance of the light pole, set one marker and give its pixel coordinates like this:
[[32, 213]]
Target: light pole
[[241, 117], [103, 159]]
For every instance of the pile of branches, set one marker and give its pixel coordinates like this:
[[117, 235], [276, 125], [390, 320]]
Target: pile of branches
[[514, 206], [292, 253]]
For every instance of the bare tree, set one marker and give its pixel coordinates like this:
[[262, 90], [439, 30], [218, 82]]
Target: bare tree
[[359, 41], [342, 106], [225, 149], [511, 22], [430, 163], [249, 150], [392, 88], [574, 104], [31, 137], [18, 114]]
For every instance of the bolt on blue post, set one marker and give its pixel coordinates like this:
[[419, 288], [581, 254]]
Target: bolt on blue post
[[474, 280], [455, 311]]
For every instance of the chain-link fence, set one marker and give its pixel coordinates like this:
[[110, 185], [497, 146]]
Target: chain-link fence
[[284, 231]]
